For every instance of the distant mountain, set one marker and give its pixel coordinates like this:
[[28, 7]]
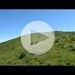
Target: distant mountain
[[62, 53]]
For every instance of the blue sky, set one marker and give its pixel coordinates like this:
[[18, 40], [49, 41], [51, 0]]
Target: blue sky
[[12, 22]]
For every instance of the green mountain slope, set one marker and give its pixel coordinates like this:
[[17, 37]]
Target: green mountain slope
[[62, 53]]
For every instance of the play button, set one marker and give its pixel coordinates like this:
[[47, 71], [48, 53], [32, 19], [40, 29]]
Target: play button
[[37, 37]]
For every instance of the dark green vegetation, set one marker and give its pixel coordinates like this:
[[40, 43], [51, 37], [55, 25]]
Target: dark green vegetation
[[62, 53]]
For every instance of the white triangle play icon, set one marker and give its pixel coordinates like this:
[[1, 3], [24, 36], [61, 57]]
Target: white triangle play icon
[[37, 37]]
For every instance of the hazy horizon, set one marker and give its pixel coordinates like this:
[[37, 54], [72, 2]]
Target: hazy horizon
[[20, 36]]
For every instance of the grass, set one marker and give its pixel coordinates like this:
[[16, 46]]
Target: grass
[[61, 54]]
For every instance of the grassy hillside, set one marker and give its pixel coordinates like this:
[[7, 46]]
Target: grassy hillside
[[62, 53]]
